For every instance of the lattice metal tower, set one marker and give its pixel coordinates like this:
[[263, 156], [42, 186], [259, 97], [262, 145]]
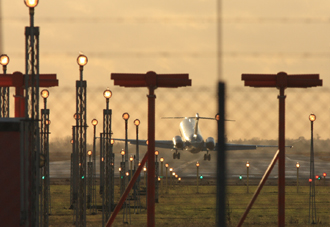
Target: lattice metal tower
[[108, 193], [30, 171], [80, 142]]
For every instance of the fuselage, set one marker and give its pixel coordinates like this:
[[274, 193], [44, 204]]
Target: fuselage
[[191, 135]]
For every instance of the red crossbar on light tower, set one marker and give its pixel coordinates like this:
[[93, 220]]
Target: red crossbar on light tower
[[151, 80], [17, 80], [281, 81]]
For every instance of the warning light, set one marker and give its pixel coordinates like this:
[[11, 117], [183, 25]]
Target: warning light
[[310, 180], [324, 174]]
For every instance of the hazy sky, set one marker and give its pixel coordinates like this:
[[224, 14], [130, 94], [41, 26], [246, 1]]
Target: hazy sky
[[172, 36]]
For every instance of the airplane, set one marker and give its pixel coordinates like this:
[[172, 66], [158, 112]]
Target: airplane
[[192, 140]]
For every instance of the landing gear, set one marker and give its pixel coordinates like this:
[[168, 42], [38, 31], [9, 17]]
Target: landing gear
[[176, 154], [207, 157]]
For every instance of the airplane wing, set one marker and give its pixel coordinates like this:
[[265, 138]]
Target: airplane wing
[[169, 144], [232, 146], [158, 143]]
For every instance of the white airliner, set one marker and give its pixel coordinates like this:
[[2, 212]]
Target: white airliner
[[192, 140]]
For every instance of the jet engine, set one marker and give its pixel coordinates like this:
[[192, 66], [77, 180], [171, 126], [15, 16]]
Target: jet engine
[[178, 143], [209, 143]]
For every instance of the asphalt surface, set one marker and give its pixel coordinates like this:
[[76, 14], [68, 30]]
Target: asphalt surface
[[185, 167]]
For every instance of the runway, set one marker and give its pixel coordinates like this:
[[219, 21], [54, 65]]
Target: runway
[[236, 164]]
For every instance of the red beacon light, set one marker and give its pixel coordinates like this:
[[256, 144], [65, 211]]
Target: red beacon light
[[310, 180], [324, 174]]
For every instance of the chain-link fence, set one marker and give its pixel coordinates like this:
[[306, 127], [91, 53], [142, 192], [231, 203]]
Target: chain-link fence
[[254, 112]]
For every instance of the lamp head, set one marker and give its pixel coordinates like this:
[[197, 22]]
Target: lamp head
[[122, 152], [89, 153], [82, 60], [107, 93], [312, 117], [76, 116], [44, 93], [197, 164], [217, 117], [31, 3], [156, 152], [94, 122], [137, 122], [161, 159], [4, 59], [125, 116]]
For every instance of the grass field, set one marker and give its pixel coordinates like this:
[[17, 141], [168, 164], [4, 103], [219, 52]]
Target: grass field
[[182, 206]]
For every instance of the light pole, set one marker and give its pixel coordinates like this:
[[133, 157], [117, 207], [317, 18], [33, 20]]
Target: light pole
[[122, 176], [89, 179], [297, 165], [161, 174], [156, 155], [137, 158], [312, 206], [247, 176], [145, 175], [4, 91], [94, 123], [122, 155], [44, 151], [166, 167], [197, 166], [171, 170], [136, 188], [131, 162], [89, 153], [108, 198], [81, 94], [30, 170], [126, 117], [156, 176]]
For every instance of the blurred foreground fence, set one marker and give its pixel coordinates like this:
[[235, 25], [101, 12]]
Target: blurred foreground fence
[[255, 111]]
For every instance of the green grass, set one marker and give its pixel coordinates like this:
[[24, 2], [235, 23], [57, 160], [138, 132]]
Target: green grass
[[182, 206]]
